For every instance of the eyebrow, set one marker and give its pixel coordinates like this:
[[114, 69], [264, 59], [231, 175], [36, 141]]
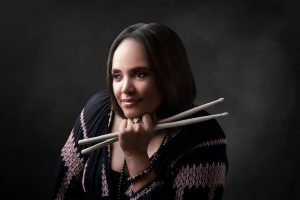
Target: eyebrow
[[133, 69]]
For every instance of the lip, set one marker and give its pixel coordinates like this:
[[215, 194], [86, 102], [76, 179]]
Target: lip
[[130, 102]]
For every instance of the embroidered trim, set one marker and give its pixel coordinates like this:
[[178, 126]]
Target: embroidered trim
[[144, 191], [201, 145], [212, 176], [110, 115], [73, 162], [83, 175], [104, 188], [82, 124]]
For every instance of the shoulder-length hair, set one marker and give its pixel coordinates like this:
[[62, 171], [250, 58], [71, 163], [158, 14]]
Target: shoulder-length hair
[[168, 61]]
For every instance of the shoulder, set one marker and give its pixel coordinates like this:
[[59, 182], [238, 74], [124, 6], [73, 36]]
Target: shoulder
[[96, 109], [205, 131], [99, 99], [97, 102], [200, 142]]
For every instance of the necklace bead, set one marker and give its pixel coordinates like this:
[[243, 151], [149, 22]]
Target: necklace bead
[[121, 179], [153, 159]]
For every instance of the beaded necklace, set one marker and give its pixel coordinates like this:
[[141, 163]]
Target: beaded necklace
[[154, 157], [121, 179]]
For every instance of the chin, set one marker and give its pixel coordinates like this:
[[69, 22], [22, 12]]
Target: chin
[[131, 115]]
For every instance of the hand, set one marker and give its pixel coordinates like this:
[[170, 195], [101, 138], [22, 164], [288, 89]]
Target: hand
[[135, 137]]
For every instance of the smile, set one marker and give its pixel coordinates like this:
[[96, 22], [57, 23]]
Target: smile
[[130, 102]]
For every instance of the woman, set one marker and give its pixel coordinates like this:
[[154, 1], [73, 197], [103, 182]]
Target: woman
[[149, 79]]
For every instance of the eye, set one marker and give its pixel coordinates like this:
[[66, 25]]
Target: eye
[[116, 76], [141, 74]]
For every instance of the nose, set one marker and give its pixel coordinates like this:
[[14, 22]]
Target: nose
[[127, 85]]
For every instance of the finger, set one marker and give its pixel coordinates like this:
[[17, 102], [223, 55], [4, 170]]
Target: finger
[[132, 127], [136, 125], [123, 125]]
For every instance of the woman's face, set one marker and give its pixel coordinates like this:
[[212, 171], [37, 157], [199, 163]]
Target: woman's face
[[133, 82]]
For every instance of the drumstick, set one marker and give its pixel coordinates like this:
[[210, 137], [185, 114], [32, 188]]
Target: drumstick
[[172, 118], [98, 138], [157, 127], [99, 145], [191, 111]]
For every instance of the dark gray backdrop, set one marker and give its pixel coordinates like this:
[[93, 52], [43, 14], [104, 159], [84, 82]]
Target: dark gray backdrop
[[53, 57]]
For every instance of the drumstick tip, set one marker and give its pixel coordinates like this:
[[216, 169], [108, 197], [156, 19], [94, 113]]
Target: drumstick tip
[[80, 142]]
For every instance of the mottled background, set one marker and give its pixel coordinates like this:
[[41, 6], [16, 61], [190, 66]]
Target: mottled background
[[53, 57]]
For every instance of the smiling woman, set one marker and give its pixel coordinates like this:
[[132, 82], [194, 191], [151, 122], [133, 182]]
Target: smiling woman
[[133, 82], [149, 79]]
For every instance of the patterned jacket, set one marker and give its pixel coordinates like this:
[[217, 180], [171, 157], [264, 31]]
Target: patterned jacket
[[190, 164]]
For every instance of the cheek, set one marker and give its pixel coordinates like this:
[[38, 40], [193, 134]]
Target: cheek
[[115, 89], [145, 89]]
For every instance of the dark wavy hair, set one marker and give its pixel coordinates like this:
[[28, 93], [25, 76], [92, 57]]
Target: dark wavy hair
[[167, 59]]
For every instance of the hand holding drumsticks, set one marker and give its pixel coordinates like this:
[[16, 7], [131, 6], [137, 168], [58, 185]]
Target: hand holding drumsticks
[[170, 122]]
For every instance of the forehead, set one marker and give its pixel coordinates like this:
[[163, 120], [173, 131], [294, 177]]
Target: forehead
[[129, 53]]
